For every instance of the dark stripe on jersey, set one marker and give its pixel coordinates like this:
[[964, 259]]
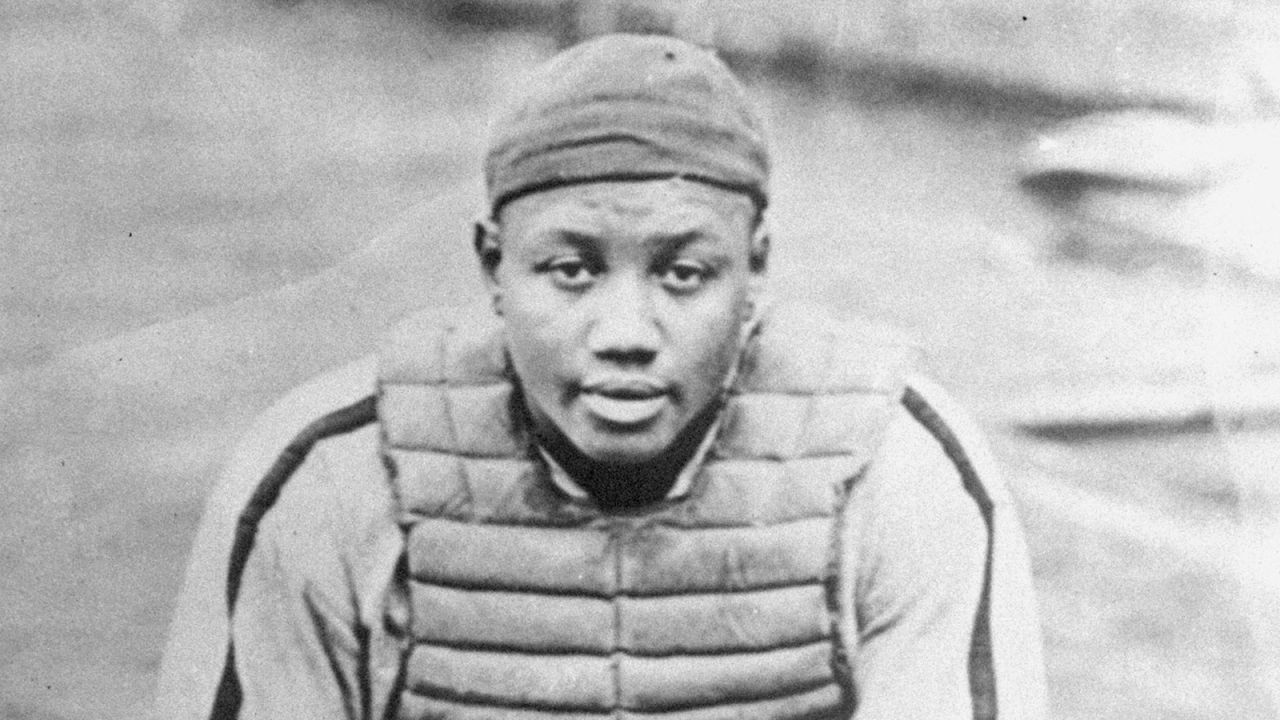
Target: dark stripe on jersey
[[226, 704], [982, 675]]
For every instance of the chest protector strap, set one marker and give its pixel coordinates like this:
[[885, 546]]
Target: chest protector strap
[[526, 603]]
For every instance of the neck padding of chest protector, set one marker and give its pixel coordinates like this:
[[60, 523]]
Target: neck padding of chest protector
[[527, 603]]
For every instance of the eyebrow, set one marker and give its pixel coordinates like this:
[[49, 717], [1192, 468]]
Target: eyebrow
[[676, 241], [667, 247], [662, 241], [575, 238]]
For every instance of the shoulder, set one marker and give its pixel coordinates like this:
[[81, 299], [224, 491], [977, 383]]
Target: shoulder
[[306, 409], [321, 522], [277, 453], [954, 440], [804, 339], [931, 484], [196, 647], [343, 436], [937, 533], [273, 432], [312, 463], [933, 450], [852, 370], [329, 517], [918, 533], [281, 436]]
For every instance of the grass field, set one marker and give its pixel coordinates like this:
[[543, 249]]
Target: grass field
[[205, 206]]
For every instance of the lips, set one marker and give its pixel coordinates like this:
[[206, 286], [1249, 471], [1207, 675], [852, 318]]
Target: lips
[[625, 400]]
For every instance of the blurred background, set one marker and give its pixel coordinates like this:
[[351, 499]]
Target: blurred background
[[1071, 203]]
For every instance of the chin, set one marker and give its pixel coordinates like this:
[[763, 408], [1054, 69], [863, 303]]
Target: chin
[[622, 451]]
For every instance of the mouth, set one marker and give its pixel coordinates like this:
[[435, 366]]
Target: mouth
[[625, 401]]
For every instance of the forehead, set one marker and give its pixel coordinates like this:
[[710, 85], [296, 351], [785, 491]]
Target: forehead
[[643, 207]]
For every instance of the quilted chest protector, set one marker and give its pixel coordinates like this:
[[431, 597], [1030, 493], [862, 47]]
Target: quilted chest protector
[[526, 603]]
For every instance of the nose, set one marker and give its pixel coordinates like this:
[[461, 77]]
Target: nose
[[625, 328]]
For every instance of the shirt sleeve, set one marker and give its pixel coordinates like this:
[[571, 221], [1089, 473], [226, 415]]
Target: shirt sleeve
[[922, 538], [296, 624]]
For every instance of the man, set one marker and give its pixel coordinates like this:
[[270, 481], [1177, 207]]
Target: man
[[637, 488]]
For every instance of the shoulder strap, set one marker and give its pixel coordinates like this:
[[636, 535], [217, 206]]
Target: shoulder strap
[[226, 704], [982, 678]]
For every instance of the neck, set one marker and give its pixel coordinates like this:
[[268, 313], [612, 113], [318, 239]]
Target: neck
[[620, 486]]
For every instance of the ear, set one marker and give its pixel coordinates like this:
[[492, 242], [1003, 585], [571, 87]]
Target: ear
[[489, 252], [758, 263], [486, 246], [758, 260]]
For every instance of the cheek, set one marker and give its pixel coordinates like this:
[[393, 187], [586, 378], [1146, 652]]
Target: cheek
[[710, 338], [532, 347], [540, 345], [528, 309]]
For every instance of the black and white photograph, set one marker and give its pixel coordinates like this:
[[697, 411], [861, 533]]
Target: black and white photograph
[[640, 359]]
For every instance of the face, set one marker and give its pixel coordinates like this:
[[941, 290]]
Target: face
[[623, 305]]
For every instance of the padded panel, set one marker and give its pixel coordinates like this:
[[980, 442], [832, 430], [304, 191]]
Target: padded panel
[[412, 416], [832, 471], [454, 347], [662, 560], [428, 483], [482, 423], [694, 680], [789, 356], [783, 427], [846, 424], [414, 350], [839, 365], [767, 427], [495, 487], [821, 703], [507, 491], [556, 560], [421, 707], [655, 626], [520, 621], [755, 492], [723, 622], [804, 349], [474, 421], [475, 352], [557, 682]]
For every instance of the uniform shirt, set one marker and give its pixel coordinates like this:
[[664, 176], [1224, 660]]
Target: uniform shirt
[[309, 622]]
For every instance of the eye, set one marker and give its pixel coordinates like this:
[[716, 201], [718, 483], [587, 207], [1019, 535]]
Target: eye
[[570, 272], [685, 276]]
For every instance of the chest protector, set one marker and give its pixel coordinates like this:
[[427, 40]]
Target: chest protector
[[526, 603]]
